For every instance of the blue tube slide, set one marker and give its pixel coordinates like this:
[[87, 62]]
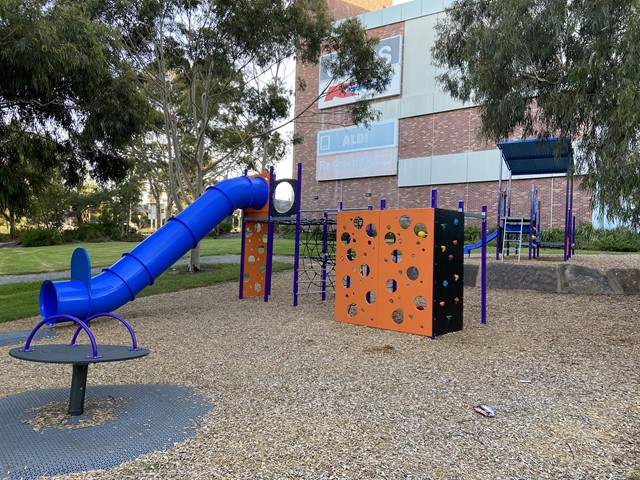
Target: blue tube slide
[[83, 296], [490, 237]]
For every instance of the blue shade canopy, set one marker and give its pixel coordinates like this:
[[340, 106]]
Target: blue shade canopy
[[537, 157]]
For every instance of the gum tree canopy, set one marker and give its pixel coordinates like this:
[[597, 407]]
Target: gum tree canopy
[[552, 68], [67, 100]]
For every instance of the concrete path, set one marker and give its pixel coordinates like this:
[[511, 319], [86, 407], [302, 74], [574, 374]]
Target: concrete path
[[40, 277]]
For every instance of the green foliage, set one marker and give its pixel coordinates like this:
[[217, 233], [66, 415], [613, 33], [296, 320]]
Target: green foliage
[[555, 234], [286, 231], [92, 232], [616, 240], [554, 68], [67, 100], [41, 237], [472, 233]]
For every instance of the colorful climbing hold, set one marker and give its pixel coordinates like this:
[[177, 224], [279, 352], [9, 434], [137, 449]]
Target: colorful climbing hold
[[442, 304], [455, 242], [456, 300], [450, 257], [456, 277], [455, 221], [445, 284], [443, 247]]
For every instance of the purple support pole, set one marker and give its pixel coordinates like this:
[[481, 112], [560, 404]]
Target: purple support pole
[[567, 216], [296, 258], [573, 236], [460, 206], [383, 204], [324, 255], [242, 256], [434, 198], [340, 206], [242, 250], [483, 269], [270, 236]]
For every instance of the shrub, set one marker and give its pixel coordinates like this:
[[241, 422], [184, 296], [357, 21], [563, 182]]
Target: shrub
[[41, 237], [554, 234], [92, 232]]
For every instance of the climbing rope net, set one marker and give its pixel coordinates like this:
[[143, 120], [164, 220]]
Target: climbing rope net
[[317, 256]]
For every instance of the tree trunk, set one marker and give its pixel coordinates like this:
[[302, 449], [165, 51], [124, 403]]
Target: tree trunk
[[11, 219], [194, 260]]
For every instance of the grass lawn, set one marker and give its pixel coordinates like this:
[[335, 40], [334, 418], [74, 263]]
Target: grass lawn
[[18, 261], [20, 300]]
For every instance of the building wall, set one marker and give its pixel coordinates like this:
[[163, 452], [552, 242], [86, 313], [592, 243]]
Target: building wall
[[438, 142]]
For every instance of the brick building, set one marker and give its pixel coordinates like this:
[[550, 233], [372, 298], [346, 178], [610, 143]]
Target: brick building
[[423, 140]]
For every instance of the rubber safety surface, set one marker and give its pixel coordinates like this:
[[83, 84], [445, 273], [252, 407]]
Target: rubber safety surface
[[148, 418]]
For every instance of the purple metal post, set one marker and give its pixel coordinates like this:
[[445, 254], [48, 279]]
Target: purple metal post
[[567, 214], [573, 236], [242, 251], [383, 204], [434, 198], [296, 258], [483, 269], [324, 255], [270, 235], [460, 206]]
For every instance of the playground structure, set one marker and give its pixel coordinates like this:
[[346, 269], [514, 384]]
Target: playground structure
[[416, 266], [532, 157], [401, 270], [83, 299]]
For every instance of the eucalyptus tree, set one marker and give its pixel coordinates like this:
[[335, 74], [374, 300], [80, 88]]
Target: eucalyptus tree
[[555, 68], [208, 67], [68, 100]]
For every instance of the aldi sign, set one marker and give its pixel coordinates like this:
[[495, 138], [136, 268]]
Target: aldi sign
[[339, 91], [357, 152]]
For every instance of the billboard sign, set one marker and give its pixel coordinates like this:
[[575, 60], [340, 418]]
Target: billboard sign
[[339, 91], [357, 152]]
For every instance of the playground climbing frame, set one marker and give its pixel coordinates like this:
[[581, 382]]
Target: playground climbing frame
[[400, 270]]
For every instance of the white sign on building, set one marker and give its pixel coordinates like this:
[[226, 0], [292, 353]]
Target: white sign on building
[[357, 152]]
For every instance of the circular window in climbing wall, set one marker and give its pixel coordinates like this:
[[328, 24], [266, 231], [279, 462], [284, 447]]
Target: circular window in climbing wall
[[420, 230], [346, 281], [397, 316], [420, 303], [405, 221], [352, 310], [396, 256], [351, 254], [390, 238], [391, 285], [345, 238], [371, 231], [358, 222], [413, 273], [364, 270], [371, 297]]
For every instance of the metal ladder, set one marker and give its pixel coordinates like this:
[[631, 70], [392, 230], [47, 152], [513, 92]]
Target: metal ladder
[[518, 233]]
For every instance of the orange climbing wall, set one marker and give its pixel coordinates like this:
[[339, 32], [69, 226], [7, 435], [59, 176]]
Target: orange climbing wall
[[357, 267], [255, 248], [400, 270]]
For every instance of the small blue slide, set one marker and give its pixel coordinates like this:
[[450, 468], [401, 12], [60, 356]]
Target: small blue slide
[[490, 237], [83, 296]]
